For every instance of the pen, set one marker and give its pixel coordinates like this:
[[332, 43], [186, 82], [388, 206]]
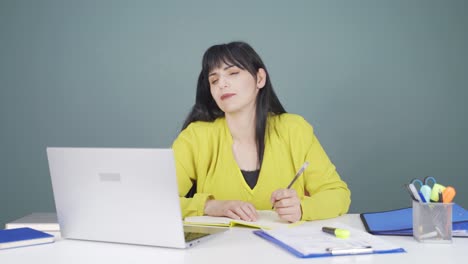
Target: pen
[[299, 172], [338, 232], [421, 197], [410, 192], [350, 251], [415, 194]]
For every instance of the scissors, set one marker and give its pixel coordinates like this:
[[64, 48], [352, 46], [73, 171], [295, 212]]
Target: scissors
[[425, 189]]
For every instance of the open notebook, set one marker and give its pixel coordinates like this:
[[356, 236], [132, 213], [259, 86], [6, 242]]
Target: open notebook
[[266, 220]]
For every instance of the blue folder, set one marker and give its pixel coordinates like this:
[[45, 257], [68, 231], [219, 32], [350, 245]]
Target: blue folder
[[399, 222]]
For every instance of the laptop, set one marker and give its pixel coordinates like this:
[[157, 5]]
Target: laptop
[[120, 195]]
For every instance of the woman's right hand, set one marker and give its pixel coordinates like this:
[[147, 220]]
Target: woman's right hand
[[238, 210]]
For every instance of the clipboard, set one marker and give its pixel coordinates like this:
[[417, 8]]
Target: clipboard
[[308, 241]]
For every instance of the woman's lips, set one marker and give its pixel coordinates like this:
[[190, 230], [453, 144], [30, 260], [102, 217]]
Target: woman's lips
[[226, 96]]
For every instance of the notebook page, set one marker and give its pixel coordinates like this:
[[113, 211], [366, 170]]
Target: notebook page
[[267, 219]]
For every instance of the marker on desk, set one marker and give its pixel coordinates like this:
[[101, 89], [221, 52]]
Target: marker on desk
[[338, 232]]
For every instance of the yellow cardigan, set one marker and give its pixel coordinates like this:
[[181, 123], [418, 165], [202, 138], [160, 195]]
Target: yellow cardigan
[[203, 153]]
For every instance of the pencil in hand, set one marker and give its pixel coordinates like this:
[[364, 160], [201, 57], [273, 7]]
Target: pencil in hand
[[299, 173]]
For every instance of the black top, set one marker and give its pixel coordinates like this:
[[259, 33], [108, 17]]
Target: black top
[[251, 177]]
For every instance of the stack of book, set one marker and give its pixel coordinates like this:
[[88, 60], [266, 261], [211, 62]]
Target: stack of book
[[22, 237], [45, 222]]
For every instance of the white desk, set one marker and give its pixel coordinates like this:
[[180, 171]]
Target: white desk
[[237, 245]]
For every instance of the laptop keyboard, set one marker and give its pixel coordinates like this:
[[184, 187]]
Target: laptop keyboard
[[190, 236]]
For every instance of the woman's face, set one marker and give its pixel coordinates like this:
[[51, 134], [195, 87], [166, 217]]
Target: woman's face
[[234, 89]]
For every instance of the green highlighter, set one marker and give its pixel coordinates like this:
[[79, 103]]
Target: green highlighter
[[338, 232]]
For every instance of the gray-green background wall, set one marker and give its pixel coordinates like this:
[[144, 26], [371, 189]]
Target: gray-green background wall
[[384, 83]]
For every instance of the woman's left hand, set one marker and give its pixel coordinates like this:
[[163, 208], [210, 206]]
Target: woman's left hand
[[287, 204]]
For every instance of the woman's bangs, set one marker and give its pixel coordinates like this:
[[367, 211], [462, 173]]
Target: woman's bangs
[[216, 57]]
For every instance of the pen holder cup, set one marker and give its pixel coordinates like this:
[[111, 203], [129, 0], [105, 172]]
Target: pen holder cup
[[432, 222]]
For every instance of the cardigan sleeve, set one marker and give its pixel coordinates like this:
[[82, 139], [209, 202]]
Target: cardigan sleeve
[[327, 195], [186, 159]]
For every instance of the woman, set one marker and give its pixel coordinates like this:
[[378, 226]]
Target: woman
[[239, 149]]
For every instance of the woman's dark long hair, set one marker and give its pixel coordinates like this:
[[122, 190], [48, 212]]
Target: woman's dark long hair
[[243, 56]]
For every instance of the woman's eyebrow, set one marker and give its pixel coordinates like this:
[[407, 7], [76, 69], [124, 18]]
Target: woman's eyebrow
[[225, 68]]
